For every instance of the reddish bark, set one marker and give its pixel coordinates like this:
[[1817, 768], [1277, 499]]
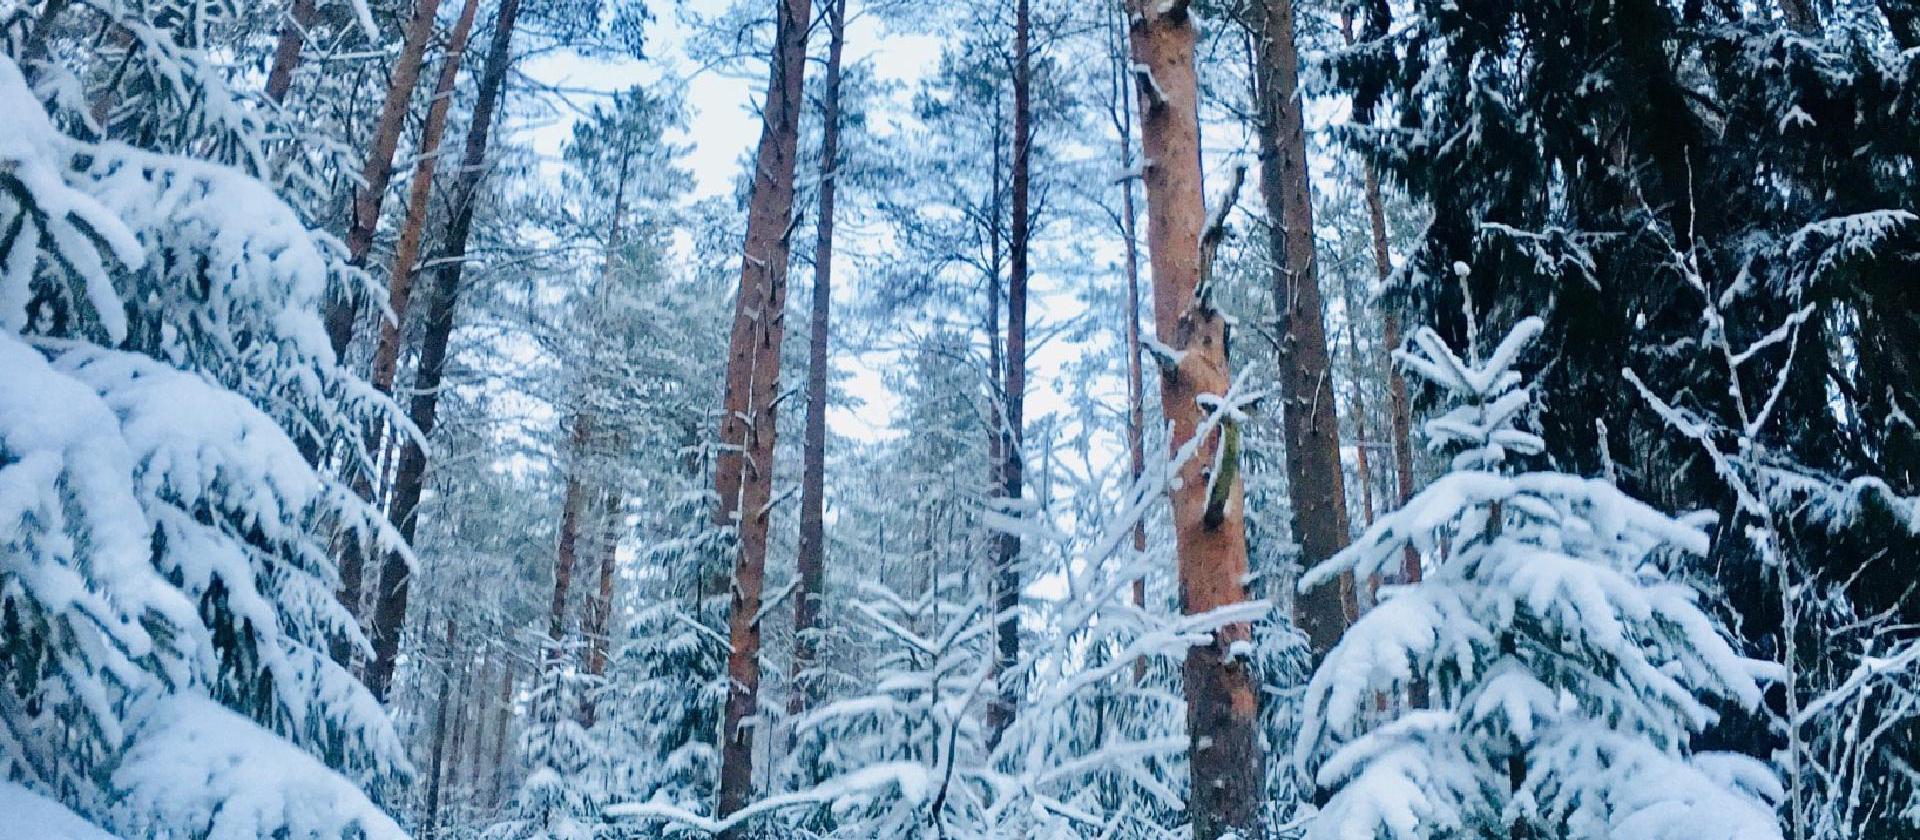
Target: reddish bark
[[811, 559], [378, 170], [390, 607], [1210, 540], [419, 194], [748, 427]]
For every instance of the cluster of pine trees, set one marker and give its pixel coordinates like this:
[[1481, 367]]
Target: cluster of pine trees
[[1232, 419]]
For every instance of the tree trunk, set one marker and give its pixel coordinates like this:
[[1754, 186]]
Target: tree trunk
[[599, 623], [501, 725], [1136, 382], [390, 608], [811, 559], [437, 764], [463, 716], [1315, 483], [570, 514], [286, 52], [1210, 540], [406, 253], [1007, 582], [747, 431], [366, 214], [378, 171]]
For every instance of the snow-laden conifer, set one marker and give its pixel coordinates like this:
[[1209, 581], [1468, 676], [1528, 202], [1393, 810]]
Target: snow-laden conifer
[[1567, 673]]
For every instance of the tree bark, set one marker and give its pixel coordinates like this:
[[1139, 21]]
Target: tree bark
[[1007, 581], [366, 215], [599, 627], [747, 432], [811, 560], [437, 765], [378, 171], [406, 253], [286, 52], [501, 725], [1222, 705], [570, 513], [390, 608], [1315, 483]]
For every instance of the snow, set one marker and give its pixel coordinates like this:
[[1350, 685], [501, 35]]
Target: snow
[[25, 815], [203, 769]]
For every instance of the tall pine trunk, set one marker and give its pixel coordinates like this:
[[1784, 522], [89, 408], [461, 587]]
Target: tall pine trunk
[[572, 510], [1122, 112], [599, 620], [1007, 581], [744, 479], [386, 141], [286, 51], [406, 254], [378, 170], [390, 605], [1209, 527], [811, 560], [1315, 484]]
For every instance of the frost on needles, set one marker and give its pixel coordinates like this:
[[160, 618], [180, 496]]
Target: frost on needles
[[1565, 673]]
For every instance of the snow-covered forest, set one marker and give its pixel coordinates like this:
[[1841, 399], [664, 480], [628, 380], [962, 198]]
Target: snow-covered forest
[[973, 419]]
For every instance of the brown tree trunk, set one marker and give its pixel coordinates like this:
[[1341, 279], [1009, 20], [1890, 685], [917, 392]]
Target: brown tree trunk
[[463, 716], [747, 431], [599, 623], [390, 607], [811, 559], [406, 253], [366, 215], [1007, 582], [286, 52], [1315, 483], [378, 171], [570, 514], [1209, 527]]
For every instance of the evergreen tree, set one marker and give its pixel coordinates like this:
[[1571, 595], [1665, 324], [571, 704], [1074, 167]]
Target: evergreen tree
[[1567, 674]]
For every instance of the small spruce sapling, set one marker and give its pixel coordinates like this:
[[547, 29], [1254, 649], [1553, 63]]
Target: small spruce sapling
[[1566, 673]]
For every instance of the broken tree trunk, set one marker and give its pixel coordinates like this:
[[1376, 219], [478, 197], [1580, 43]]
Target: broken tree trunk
[[1210, 538], [744, 479]]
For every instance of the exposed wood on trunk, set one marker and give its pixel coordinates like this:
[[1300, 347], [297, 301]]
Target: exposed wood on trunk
[[406, 254], [390, 607], [747, 432], [1222, 704], [811, 559], [1007, 582], [286, 52], [599, 627], [1315, 483], [378, 170]]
